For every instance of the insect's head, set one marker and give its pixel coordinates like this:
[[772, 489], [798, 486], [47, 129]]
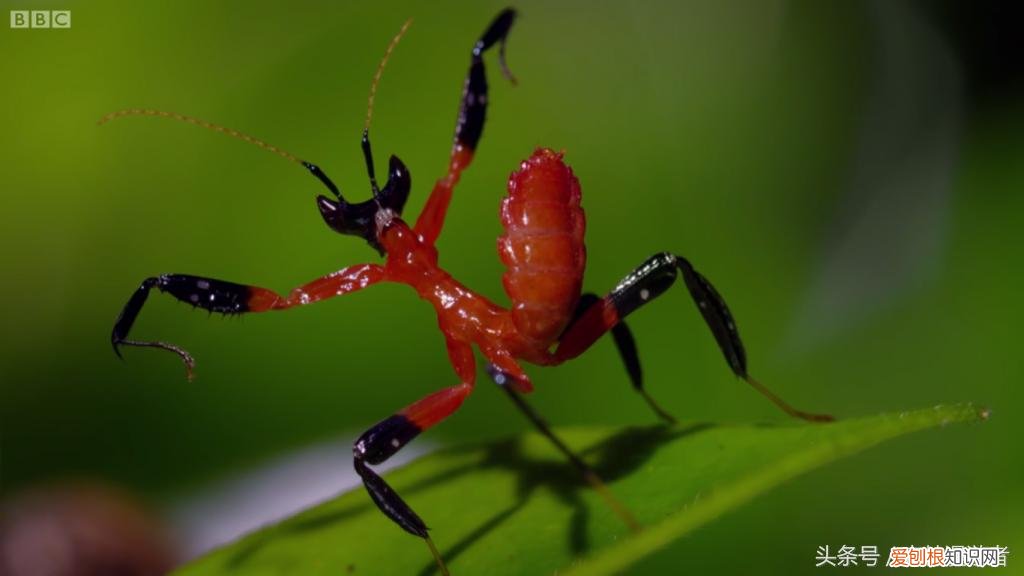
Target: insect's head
[[361, 219]]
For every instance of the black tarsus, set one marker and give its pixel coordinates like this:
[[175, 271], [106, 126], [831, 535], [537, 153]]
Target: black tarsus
[[473, 108]]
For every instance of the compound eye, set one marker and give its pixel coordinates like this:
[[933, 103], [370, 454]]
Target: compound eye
[[396, 191], [330, 210]]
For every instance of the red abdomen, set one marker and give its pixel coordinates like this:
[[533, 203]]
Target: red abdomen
[[542, 246]]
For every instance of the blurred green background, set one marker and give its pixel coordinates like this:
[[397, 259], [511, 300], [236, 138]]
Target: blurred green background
[[848, 174]]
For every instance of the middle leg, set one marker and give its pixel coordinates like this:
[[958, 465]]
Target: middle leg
[[390, 435]]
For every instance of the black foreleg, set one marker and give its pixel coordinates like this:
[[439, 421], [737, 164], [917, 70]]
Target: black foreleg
[[230, 298]]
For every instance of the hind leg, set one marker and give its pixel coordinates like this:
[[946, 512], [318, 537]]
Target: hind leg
[[644, 284]]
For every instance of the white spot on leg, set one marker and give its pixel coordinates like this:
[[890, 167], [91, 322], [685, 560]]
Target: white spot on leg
[[194, 298], [645, 294], [395, 443], [500, 379], [203, 285]]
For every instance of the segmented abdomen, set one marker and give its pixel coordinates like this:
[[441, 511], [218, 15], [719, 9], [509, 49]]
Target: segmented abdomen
[[542, 246]]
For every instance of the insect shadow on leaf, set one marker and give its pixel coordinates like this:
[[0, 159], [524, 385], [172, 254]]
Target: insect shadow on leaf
[[615, 457]]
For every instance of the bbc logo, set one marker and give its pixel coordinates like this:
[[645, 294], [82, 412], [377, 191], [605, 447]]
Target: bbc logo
[[40, 18]]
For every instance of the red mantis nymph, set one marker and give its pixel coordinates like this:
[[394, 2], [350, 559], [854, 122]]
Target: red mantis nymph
[[549, 322]]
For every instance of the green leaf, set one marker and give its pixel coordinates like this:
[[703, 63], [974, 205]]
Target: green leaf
[[516, 507]]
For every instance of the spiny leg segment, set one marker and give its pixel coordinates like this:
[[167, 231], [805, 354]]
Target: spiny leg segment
[[644, 284], [226, 297]]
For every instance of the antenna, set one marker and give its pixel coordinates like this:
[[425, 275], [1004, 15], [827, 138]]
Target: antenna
[[367, 150], [202, 124], [380, 72]]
